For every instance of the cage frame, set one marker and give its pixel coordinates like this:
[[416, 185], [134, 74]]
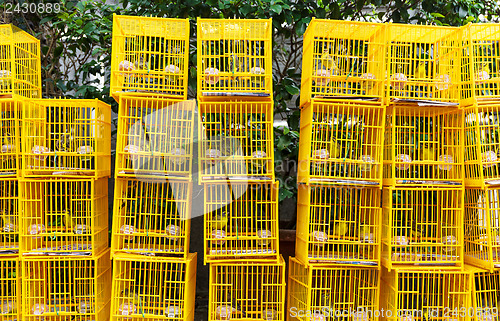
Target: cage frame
[[255, 167], [479, 246], [189, 284], [395, 163], [118, 50], [181, 226], [478, 289], [36, 134], [11, 267], [410, 257], [133, 160], [99, 266], [304, 292], [19, 42], [311, 248], [391, 292], [308, 141], [214, 31], [11, 155], [377, 47], [37, 237], [221, 246], [232, 268], [438, 34], [11, 224]]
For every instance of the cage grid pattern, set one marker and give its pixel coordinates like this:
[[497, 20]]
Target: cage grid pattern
[[153, 288], [234, 57], [422, 227], [341, 143], [20, 70], [485, 294], [66, 138], [151, 217], [155, 137], [339, 225], [343, 59], [247, 290], [322, 292], [9, 212], [63, 216], [150, 56], [10, 289], [64, 288], [10, 135]]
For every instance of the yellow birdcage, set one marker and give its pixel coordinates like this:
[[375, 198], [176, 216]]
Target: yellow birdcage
[[338, 225], [63, 216], [57, 288], [150, 56], [341, 143], [480, 56], [153, 288], [423, 145], [236, 141], [482, 144], [9, 214], [66, 138], [485, 294], [10, 135], [20, 71], [10, 289], [247, 290], [343, 59], [155, 137], [151, 217], [424, 63], [482, 227], [421, 295], [234, 57], [241, 221], [422, 226], [322, 292]]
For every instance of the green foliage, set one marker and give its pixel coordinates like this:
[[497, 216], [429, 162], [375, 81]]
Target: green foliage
[[81, 35]]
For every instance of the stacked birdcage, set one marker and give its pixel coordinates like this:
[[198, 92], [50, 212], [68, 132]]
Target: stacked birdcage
[[154, 275], [236, 169], [63, 208], [335, 272], [481, 103]]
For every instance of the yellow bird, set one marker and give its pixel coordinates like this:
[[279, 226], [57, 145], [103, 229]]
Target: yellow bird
[[219, 222], [131, 296], [341, 229], [66, 142], [365, 234], [335, 149], [9, 224], [69, 221], [427, 153], [328, 62], [484, 67], [421, 72]]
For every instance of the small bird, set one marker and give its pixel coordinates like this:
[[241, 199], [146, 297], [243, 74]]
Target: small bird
[[426, 152], [328, 62], [421, 71], [219, 220], [416, 232], [8, 144], [66, 142], [341, 229], [69, 221], [335, 149], [131, 296]]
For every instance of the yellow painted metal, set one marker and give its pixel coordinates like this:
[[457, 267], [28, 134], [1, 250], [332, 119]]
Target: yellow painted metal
[[234, 58], [66, 138], [155, 137], [341, 143], [482, 227], [151, 217], [424, 62], [247, 290], [153, 288], [10, 290], [63, 216], [423, 145], [9, 215], [150, 56], [321, 292], [236, 141], [485, 294], [338, 225], [10, 135], [241, 221], [60, 288], [343, 59], [20, 71], [422, 227], [426, 294]]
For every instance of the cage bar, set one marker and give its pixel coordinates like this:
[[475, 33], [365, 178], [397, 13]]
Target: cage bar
[[9, 212]]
